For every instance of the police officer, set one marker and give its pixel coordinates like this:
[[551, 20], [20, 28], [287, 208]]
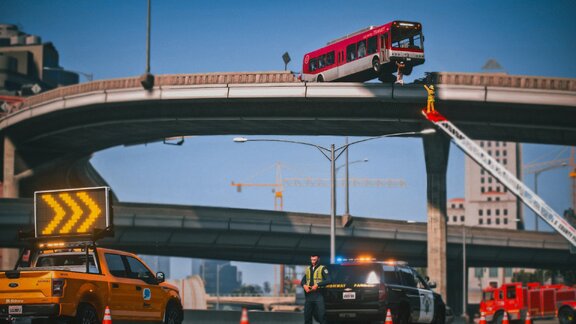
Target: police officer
[[316, 276]]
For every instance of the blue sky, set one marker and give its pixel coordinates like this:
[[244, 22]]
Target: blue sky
[[107, 38]]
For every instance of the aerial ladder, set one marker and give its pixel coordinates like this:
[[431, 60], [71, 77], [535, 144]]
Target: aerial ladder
[[500, 172]]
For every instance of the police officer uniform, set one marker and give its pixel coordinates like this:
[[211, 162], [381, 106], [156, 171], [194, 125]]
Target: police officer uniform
[[314, 304]]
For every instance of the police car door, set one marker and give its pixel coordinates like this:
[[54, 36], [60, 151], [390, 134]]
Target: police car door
[[426, 301]]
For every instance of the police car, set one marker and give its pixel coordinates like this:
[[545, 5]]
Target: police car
[[364, 289]]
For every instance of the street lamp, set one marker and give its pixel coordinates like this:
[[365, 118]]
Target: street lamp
[[346, 217], [218, 268], [536, 174], [332, 154]]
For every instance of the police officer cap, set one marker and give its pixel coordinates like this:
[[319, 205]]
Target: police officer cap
[[314, 254]]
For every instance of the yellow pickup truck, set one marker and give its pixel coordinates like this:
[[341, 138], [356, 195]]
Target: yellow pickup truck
[[74, 285]]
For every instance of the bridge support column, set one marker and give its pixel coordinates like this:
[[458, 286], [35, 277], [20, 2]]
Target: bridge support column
[[9, 183], [9, 257], [436, 151]]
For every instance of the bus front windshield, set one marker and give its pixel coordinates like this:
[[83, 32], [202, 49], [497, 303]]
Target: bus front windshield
[[407, 37]]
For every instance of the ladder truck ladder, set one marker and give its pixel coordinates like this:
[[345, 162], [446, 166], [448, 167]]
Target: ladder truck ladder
[[500, 172]]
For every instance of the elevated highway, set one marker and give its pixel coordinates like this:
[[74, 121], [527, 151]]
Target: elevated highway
[[48, 139], [66, 125], [288, 238]]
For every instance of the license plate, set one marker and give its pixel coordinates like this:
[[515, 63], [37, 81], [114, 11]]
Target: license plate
[[349, 295], [15, 309], [347, 315]]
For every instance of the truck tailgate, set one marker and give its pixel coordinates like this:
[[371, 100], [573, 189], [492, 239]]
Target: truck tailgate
[[25, 286]]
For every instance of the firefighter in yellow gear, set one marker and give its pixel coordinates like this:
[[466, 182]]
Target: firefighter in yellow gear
[[430, 104], [316, 276]]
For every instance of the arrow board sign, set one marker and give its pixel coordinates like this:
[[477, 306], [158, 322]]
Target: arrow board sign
[[72, 212]]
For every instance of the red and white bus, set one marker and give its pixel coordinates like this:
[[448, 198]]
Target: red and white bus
[[366, 54]]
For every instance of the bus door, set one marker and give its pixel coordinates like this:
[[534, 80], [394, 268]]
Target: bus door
[[385, 48]]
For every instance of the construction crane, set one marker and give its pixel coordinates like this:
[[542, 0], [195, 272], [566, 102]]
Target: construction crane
[[278, 186], [498, 171]]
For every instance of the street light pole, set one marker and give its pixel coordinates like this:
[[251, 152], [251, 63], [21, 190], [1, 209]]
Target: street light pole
[[333, 204], [218, 267], [332, 154], [347, 210], [464, 290]]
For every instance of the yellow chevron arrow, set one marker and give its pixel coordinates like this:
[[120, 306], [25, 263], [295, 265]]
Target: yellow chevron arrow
[[76, 213], [94, 211], [59, 213]]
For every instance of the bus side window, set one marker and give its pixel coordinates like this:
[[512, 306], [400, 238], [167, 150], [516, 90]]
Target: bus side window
[[361, 49], [330, 58], [372, 45], [351, 52]]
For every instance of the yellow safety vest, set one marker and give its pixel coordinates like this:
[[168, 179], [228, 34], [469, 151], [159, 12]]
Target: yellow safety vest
[[317, 274]]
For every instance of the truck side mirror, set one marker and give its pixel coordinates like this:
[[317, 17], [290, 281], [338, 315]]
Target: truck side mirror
[[160, 277]]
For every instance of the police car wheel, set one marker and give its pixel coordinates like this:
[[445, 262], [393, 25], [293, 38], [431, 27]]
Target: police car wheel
[[86, 314]]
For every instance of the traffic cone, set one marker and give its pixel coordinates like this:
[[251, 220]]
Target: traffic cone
[[528, 320], [388, 317], [482, 318], [244, 318], [107, 317], [505, 319]]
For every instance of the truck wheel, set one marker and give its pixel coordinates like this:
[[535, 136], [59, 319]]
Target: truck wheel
[[173, 315], [498, 318], [86, 314], [566, 316]]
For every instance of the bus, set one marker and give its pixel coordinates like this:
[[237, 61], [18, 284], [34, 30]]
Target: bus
[[367, 54]]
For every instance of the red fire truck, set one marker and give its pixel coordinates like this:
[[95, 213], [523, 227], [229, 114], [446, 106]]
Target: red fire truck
[[542, 301]]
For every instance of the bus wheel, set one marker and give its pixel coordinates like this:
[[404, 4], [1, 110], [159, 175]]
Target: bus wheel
[[320, 78], [376, 65]]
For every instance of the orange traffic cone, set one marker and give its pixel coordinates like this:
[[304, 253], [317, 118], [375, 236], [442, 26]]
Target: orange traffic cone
[[482, 318], [107, 317], [244, 318], [388, 317], [505, 320], [528, 320]]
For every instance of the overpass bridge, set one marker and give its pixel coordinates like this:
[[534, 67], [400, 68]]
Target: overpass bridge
[[288, 238], [47, 141], [49, 135]]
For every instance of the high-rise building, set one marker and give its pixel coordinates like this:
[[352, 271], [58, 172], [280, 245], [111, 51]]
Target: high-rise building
[[158, 263], [27, 65], [220, 273], [487, 203]]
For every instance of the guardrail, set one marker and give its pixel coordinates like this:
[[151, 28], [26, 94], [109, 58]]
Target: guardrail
[[503, 80], [159, 80]]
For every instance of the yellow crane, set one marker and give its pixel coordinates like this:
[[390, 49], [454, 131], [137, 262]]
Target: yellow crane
[[278, 186]]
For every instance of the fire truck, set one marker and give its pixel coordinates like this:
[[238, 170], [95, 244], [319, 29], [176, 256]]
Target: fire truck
[[542, 301]]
